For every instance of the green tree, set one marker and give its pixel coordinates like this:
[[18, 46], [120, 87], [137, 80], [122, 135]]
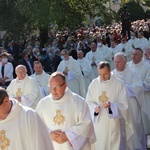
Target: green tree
[[20, 18], [134, 9]]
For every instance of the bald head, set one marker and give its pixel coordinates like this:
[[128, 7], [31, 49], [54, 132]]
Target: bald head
[[21, 72]]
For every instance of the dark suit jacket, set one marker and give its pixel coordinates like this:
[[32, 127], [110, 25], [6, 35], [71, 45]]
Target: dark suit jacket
[[34, 58], [55, 61], [23, 62]]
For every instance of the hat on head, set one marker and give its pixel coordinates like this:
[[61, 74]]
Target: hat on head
[[5, 54]]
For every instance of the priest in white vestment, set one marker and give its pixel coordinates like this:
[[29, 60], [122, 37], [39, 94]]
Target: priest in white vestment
[[67, 116], [72, 70], [133, 41], [20, 127], [143, 69], [104, 49], [94, 57], [41, 77], [147, 55], [113, 50], [125, 48], [107, 99], [135, 97], [143, 42], [24, 88], [86, 69]]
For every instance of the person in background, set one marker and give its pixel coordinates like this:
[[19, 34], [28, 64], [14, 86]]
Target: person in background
[[56, 60], [35, 54], [133, 40], [94, 57], [71, 69], [41, 77], [143, 70], [143, 42], [86, 69], [6, 70], [147, 55], [126, 22], [24, 88], [26, 61], [135, 97], [73, 52], [125, 48], [46, 61]]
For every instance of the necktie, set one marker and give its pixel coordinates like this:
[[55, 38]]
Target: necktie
[[2, 71]]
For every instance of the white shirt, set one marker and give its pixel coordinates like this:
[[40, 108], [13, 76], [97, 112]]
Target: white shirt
[[8, 71]]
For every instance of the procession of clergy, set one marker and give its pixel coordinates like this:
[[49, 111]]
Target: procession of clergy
[[106, 99]]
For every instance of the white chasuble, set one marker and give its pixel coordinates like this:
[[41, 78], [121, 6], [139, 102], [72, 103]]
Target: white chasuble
[[87, 71], [96, 57], [74, 78], [23, 129], [143, 70], [135, 98], [108, 128], [68, 114], [126, 49], [28, 89], [43, 80], [106, 52]]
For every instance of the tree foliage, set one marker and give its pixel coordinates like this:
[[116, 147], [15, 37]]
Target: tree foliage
[[22, 17], [135, 9]]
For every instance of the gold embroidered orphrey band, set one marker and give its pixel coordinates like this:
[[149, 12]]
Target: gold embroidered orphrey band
[[4, 141], [59, 118], [103, 98], [19, 93]]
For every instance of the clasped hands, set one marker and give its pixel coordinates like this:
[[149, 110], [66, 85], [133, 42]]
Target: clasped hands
[[65, 72], [18, 99], [93, 64], [58, 136], [104, 105]]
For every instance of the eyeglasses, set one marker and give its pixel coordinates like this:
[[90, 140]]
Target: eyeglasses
[[57, 87]]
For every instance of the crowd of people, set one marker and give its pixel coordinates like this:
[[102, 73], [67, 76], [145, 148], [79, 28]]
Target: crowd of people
[[89, 89]]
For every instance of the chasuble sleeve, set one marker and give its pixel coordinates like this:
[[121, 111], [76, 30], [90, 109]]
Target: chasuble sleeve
[[40, 138]]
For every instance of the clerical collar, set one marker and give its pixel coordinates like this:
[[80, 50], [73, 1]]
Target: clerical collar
[[38, 74], [19, 81], [58, 98], [80, 60], [10, 107], [122, 70], [147, 60], [138, 64], [106, 80]]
